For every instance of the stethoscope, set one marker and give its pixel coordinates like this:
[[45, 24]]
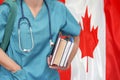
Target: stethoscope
[[30, 29]]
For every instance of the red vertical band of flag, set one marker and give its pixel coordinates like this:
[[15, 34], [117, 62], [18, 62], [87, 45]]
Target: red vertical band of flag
[[112, 14], [62, 1], [1, 1], [65, 74]]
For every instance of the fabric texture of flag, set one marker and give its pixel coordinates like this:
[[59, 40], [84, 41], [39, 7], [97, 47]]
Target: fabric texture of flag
[[112, 11], [98, 55]]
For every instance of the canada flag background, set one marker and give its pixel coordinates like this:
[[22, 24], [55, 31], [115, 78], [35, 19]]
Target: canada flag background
[[98, 56]]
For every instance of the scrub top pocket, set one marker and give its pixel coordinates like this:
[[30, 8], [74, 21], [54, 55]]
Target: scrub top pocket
[[4, 74], [4, 77], [19, 75]]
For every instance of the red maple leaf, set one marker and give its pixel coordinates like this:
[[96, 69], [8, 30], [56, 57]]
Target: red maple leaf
[[88, 38], [1, 1]]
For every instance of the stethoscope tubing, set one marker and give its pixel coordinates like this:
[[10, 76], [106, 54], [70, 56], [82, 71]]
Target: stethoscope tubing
[[30, 28]]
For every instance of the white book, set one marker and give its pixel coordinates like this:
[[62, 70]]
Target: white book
[[67, 48], [68, 55], [55, 50]]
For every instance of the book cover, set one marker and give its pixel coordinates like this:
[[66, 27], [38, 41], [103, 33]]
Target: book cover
[[59, 52]]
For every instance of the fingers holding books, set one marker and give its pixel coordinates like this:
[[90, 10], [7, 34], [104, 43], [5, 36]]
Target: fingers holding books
[[53, 66], [49, 59], [57, 67]]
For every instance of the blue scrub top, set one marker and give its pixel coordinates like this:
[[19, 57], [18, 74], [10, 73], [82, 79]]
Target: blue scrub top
[[34, 64]]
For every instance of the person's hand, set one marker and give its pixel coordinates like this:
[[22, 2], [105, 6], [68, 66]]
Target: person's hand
[[15, 69], [8, 63], [55, 66]]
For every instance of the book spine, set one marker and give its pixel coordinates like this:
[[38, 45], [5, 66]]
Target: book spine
[[60, 52], [55, 50]]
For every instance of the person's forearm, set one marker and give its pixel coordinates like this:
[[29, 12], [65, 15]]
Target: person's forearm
[[75, 48], [7, 62]]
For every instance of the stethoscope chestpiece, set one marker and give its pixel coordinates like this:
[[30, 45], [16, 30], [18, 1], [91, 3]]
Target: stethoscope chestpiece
[[51, 43], [26, 50]]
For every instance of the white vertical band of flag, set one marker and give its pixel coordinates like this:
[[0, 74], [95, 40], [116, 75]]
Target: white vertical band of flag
[[96, 65]]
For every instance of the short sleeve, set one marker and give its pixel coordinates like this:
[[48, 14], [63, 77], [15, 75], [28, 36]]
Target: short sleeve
[[4, 10], [71, 26]]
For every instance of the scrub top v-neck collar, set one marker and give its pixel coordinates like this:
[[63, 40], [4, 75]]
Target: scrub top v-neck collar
[[41, 11]]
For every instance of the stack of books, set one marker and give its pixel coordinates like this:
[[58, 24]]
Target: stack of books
[[62, 51]]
